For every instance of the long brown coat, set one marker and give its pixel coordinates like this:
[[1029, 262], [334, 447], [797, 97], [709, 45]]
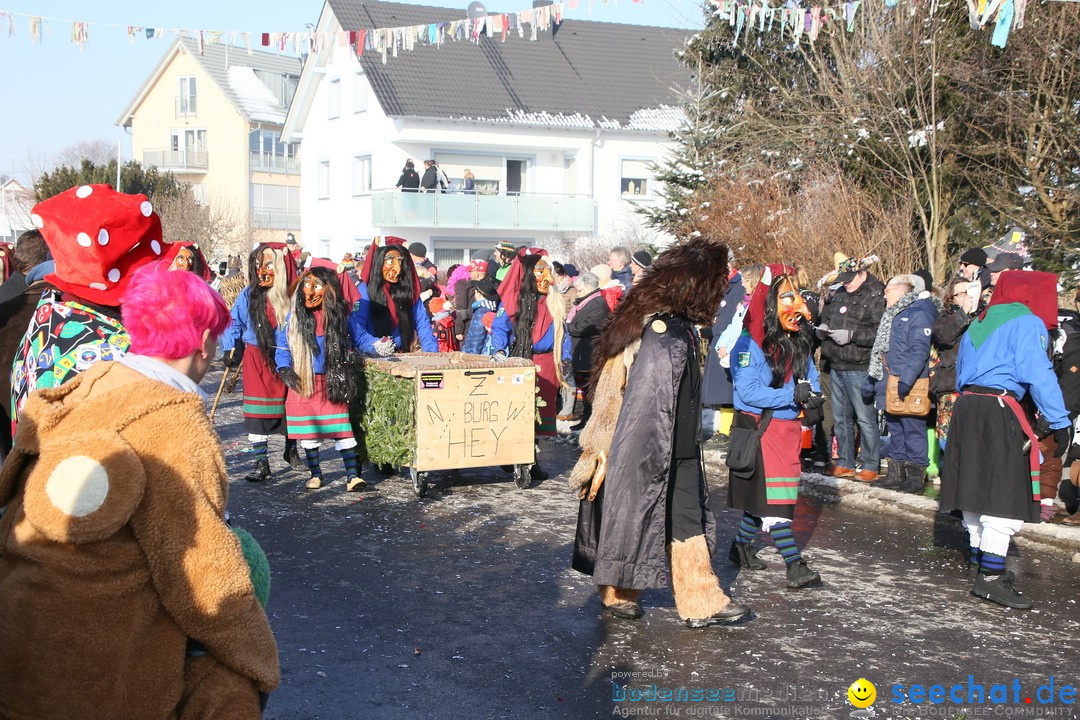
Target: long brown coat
[[114, 552]]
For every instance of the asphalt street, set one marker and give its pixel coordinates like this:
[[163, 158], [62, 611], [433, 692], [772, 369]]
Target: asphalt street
[[462, 605]]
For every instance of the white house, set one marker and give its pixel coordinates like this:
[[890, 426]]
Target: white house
[[558, 132], [15, 204]]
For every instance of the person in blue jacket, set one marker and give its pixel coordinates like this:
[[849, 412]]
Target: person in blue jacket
[[316, 357], [902, 348], [260, 309], [530, 323], [991, 466], [772, 370], [390, 315]]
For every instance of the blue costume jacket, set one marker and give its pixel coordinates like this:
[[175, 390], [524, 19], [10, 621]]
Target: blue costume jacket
[[1013, 357], [283, 355], [240, 327], [751, 376], [364, 333], [502, 337]]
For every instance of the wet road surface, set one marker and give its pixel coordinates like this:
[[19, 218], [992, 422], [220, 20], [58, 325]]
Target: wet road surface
[[462, 605]]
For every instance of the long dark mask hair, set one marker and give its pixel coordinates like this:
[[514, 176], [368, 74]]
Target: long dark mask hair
[[257, 297], [788, 352], [401, 294], [341, 359], [528, 297]]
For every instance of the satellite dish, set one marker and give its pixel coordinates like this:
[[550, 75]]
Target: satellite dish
[[477, 10]]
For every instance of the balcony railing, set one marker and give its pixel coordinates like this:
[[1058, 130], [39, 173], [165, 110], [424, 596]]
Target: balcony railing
[[541, 212], [186, 105], [177, 160], [275, 218], [275, 164]]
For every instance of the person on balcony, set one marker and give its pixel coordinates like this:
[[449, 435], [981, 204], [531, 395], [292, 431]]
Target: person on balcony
[[410, 179]]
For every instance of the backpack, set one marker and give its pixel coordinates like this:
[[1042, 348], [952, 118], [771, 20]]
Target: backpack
[[1066, 358]]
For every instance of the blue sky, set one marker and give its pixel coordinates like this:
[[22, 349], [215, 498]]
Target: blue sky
[[55, 95]]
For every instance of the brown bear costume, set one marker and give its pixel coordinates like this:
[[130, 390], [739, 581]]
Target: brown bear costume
[[114, 554]]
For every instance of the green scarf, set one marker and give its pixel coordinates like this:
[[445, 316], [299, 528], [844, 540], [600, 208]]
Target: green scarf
[[995, 317]]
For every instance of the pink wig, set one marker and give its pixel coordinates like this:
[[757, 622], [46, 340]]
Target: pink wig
[[165, 313], [461, 272]]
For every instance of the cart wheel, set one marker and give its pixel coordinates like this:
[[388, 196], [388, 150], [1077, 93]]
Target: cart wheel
[[419, 482], [522, 475]]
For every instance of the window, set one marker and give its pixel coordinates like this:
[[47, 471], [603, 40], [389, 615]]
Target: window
[[333, 98], [185, 97], [324, 247], [188, 141], [361, 174], [634, 177], [359, 92], [275, 206], [269, 154], [324, 179]]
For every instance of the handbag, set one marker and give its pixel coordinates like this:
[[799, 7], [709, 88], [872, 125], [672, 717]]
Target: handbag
[[917, 402], [744, 447]]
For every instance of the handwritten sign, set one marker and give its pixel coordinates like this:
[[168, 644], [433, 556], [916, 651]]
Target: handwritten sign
[[475, 418]]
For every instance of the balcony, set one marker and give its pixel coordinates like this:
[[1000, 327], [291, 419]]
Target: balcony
[[275, 218], [177, 160], [186, 106], [275, 164], [457, 210]]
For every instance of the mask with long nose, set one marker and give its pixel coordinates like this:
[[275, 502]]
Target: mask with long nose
[[265, 272], [790, 307]]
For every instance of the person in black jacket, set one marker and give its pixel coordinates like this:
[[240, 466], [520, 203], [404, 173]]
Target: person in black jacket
[[960, 306], [30, 251], [584, 322], [410, 179], [430, 181], [848, 326]]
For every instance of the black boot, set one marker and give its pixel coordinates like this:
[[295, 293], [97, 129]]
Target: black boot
[[999, 589], [914, 479], [260, 473], [893, 478], [292, 455], [745, 556], [800, 575]]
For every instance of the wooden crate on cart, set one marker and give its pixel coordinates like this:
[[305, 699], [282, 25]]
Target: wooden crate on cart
[[450, 411]]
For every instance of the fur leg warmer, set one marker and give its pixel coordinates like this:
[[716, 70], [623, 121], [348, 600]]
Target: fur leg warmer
[[610, 594], [697, 590]]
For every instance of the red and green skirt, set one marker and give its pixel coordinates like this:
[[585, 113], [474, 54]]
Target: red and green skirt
[[548, 382], [315, 417], [264, 395], [774, 489]]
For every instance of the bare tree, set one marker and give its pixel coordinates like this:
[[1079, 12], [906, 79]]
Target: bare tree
[[99, 152], [219, 228]]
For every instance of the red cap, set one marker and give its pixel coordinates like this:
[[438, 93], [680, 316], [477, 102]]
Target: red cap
[[98, 237], [478, 265]]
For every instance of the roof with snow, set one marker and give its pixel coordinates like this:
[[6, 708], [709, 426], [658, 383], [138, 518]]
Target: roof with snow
[[236, 71], [580, 74]]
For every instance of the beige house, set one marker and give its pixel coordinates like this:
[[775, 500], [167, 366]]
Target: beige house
[[214, 120]]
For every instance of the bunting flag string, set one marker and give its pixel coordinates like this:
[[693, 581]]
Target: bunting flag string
[[384, 41], [745, 16]]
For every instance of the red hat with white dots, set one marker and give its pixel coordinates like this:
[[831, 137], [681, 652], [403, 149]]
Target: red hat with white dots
[[98, 237]]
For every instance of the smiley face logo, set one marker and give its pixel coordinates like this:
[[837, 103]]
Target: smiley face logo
[[862, 693]]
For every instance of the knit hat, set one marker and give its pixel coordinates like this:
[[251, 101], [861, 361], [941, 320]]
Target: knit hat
[[506, 247], [974, 256], [642, 259], [418, 249], [98, 237], [927, 278]]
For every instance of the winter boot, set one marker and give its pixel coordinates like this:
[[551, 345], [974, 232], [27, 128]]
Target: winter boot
[[800, 575], [260, 473], [745, 556], [620, 602], [999, 589], [698, 597], [292, 456], [893, 478], [914, 479]]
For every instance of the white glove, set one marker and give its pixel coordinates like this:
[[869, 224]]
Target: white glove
[[425, 296], [384, 347], [822, 331]]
